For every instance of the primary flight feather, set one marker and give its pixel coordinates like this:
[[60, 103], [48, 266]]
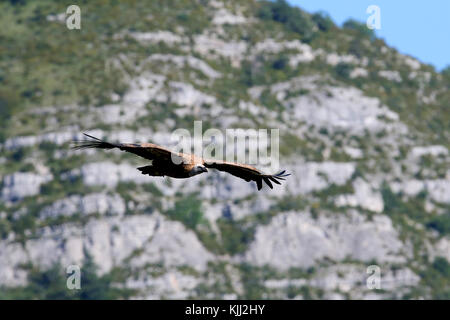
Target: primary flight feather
[[182, 165]]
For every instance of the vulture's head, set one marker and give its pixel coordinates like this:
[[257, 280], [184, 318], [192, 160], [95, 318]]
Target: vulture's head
[[198, 169]]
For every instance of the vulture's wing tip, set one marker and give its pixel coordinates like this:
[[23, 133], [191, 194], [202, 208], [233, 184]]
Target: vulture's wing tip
[[88, 135]]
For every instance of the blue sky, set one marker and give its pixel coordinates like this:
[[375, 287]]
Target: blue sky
[[416, 27]]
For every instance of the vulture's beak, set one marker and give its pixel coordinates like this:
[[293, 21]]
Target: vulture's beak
[[204, 169]]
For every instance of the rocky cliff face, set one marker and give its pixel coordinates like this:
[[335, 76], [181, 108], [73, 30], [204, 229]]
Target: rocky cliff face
[[363, 130]]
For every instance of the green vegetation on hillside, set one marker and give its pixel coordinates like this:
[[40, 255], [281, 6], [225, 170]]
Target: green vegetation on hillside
[[43, 64], [51, 284]]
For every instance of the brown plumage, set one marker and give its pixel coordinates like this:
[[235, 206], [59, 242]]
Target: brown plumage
[[182, 165]]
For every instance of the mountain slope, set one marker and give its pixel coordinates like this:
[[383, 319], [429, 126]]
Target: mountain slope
[[363, 130]]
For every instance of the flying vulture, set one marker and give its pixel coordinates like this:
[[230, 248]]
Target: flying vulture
[[185, 165]]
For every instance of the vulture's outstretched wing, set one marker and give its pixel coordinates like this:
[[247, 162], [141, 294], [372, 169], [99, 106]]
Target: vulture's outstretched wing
[[146, 150], [246, 172]]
